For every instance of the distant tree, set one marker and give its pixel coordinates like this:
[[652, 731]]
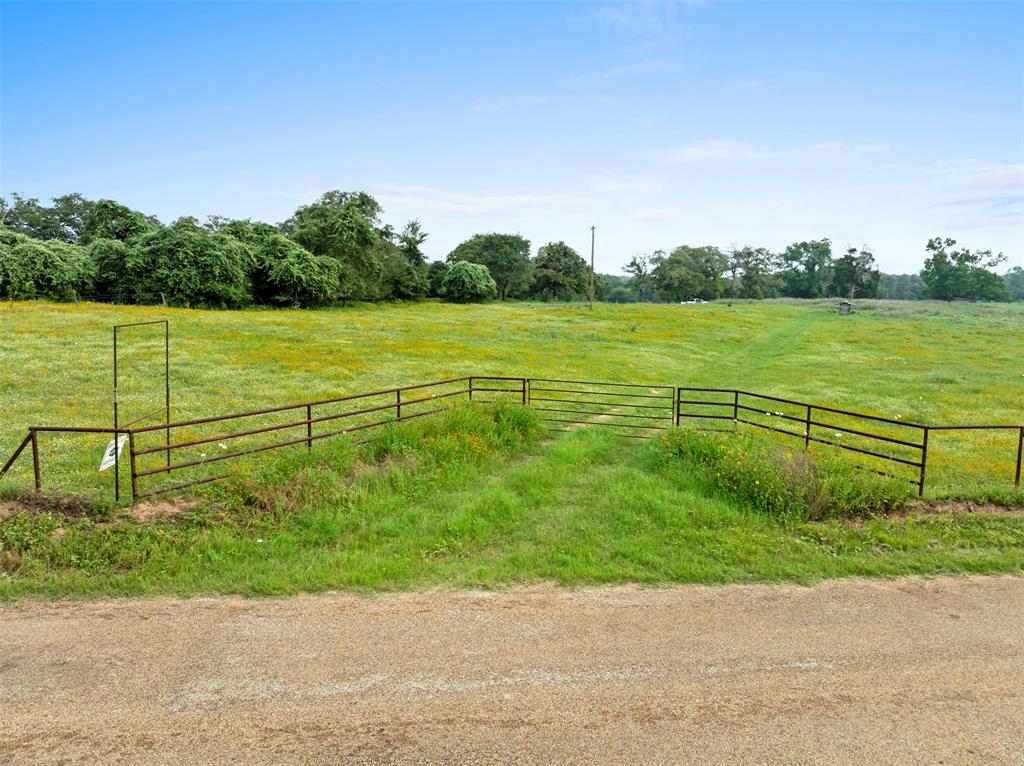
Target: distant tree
[[1014, 281], [907, 287], [559, 274], [468, 282], [807, 269], [410, 242], [751, 268], [688, 273], [611, 288], [64, 220], [641, 280], [282, 271], [854, 275], [31, 268], [112, 220], [949, 274], [506, 256], [186, 265], [400, 279], [436, 271], [342, 226]]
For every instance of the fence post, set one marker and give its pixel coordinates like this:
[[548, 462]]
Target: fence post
[[736, 410], [131, 460], [924, 463], [1020, 452], [35, 460], [523, 381], [470, 388], [529, 394], [398, 404], [675, 409], [807, 429], [309, 426]]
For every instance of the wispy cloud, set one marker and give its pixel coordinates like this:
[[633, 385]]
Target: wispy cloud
[[733, 151], [604, 183], [651, 214], [431, 200], [638, 16], [995, 177]]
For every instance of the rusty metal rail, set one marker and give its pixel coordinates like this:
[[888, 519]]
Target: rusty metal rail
[[635, 410]]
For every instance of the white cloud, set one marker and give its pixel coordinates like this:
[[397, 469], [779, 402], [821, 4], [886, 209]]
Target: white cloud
[[638, 16], [995, 177], [729, 150], [651, 214]]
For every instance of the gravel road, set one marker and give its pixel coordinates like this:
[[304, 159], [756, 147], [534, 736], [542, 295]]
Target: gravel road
[[854, 671]]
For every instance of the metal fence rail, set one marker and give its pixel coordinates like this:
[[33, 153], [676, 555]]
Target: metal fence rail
[[890, 447]]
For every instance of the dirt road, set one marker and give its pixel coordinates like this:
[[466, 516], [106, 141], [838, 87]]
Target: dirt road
[[907, 671]]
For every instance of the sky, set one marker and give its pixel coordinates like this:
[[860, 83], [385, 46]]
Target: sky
[[660, 123]]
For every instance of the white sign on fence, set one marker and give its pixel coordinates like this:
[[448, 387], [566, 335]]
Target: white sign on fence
[[108, 454]]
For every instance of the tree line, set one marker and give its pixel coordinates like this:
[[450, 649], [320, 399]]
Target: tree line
[[810, 270], [337, 249]]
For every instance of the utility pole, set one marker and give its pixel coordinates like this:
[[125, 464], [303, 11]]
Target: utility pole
[[592, 228]]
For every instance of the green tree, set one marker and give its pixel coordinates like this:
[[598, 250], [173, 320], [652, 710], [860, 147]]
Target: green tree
[[807, 269], [30, 268], [752, 270], [641, 280], [64, 220], [688, 273], [949, 274], [468, 282], [410, 242], [854, 275], [185, 265], [559, 274], [342, 226], [436, 272], [1014, 281], [112, 220], [506, 256], [907, 287]]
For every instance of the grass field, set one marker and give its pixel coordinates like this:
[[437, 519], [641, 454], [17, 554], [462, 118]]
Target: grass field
[[582, 507]]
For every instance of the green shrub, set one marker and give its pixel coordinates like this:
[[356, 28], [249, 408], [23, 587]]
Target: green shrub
[[52, 269], [468, 282], [774, 478]]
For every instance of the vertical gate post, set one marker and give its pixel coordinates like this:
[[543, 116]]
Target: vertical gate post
[[35, 460], [807, 429], [736, 410], [523, 382], [309, 426], [1020, 453], [924, 463], [398, 404], [131, 461], [470, 388], [676, 407]]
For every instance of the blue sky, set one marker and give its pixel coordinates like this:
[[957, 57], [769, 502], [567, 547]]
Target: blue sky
[[661, 123]]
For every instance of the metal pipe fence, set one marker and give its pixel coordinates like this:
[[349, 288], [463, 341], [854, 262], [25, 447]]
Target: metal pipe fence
[[892, 447]]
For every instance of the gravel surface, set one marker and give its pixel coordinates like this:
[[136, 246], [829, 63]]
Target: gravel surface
[[854, 671]]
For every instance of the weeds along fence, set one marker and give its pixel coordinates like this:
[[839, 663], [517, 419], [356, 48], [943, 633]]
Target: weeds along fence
[[168, 457]]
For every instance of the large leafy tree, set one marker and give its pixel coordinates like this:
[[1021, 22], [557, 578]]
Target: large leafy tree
[[468, 282], [108, 219], [506, 256], [949, 273], [752, 273], [64, 220], [807, 269], [559, 274], [854, 275], [342, 226], [690, 272], [30, 268], [1014, 281], [186, 265], [641, 280]]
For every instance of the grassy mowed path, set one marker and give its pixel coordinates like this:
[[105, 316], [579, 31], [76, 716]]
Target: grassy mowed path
[[588, 507]]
